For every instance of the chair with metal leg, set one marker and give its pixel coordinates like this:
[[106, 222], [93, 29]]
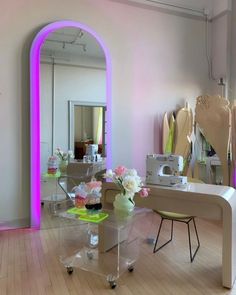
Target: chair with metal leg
[[179, 218]]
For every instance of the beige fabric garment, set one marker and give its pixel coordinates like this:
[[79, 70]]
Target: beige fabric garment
[[213, 115]]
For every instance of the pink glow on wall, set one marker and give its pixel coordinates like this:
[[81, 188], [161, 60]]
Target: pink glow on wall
[[35, 109]]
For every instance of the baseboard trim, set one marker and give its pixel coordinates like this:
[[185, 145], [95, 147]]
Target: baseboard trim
[[14, 224]]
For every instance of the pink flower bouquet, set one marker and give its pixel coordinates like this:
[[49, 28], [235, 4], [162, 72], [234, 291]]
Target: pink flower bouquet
[[128, 181]]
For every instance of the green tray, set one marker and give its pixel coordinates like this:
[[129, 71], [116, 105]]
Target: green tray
[[94, 217], [78, 211], [86, 216], [57, 175]]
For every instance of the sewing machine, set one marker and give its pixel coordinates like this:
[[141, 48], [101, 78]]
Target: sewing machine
[[155, 166]]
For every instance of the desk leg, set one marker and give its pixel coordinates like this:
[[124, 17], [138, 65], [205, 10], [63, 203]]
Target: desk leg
[[228, 247]]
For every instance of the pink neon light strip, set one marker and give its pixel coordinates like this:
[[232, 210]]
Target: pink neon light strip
[[35, 108]]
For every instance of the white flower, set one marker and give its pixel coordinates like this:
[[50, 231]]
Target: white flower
[[63, 155], [138, 180], [109, 174], [56, 152], [131, 172], [130, 184], [70, 153]]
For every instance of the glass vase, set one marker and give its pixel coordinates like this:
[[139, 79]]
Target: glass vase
[[63, 166], [122, 203]]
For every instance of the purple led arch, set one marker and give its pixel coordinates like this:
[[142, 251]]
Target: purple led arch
[[35, 108]]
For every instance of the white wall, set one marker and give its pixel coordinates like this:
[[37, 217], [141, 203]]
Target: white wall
[[221, 5], [77, 84], [221, 45], [46, 115], [158, 62]]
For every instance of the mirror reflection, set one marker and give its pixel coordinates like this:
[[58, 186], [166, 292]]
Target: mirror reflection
[[73, 103], [87, 127]]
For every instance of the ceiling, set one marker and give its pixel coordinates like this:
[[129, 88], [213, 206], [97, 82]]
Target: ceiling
[[210, 7], [71, 41]]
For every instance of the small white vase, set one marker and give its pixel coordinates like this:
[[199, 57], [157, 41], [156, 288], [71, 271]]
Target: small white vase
[[122, 203]]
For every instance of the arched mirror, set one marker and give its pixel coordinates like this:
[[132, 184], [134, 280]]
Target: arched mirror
[[70, 98]]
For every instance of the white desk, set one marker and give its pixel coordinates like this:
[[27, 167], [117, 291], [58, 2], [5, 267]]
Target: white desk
[[202, 200]]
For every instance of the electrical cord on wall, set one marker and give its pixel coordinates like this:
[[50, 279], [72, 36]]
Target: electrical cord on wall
[[220, 82], [208, 56]]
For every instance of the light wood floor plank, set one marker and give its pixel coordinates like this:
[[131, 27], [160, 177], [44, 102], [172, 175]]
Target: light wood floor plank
[[3, 286], [29, 265], [4, 254]]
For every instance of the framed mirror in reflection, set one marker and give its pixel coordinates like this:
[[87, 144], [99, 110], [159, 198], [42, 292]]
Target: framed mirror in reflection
[[86, 126], [73, 72]]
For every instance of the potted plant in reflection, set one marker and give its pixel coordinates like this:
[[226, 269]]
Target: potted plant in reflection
[[63, 158]]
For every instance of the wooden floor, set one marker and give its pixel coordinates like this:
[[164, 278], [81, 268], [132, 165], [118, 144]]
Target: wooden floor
[[29, 265]]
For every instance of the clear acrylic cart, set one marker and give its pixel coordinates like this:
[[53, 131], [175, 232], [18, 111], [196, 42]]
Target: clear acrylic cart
[[108, 248]]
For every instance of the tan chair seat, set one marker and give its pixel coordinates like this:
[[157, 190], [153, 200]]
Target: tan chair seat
[[172, 215]]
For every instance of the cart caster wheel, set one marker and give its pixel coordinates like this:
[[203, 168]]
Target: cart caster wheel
[[69, 270], [112, 281], [131, 268], [112, 284]]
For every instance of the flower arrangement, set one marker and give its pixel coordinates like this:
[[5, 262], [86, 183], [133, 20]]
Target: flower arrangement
[[64, 156], [88, 194], [128, 181]]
